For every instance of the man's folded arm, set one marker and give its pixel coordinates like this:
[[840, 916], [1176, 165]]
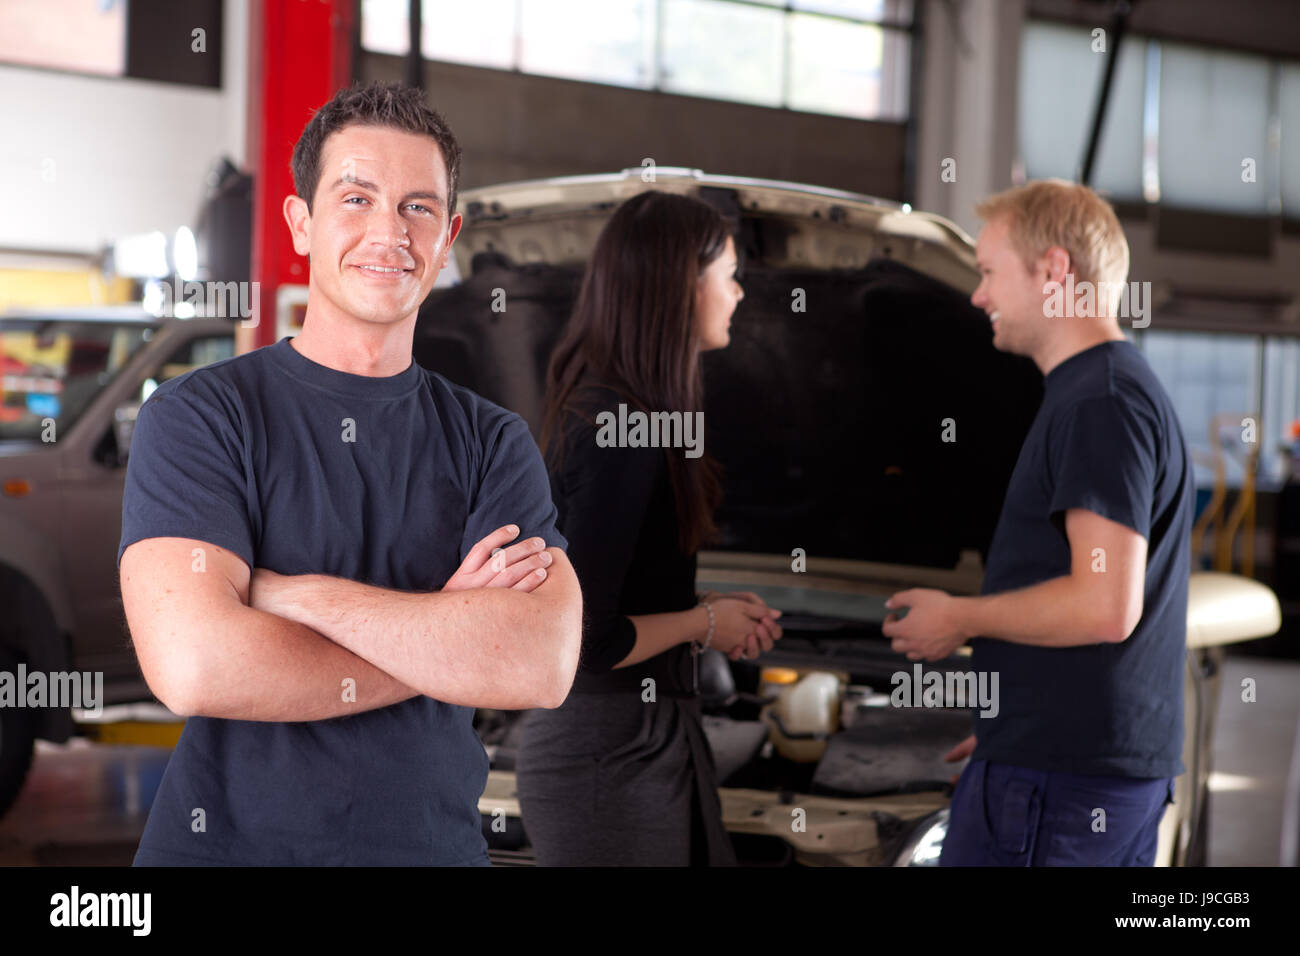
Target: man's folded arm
[[488, 647], [205, 652]]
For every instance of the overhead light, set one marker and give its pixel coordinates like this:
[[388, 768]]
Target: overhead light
[[152, 299], [185, 254], [141, 257]]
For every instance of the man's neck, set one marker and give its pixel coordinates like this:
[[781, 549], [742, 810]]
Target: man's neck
[[358, 348], [1061, 348]]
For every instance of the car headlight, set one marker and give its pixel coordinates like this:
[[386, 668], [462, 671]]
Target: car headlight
[[925, 841]]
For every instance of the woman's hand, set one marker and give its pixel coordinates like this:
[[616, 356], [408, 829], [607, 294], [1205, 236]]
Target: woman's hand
[[744, 626]]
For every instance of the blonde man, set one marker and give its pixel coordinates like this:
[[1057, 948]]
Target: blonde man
[[1084, 604]]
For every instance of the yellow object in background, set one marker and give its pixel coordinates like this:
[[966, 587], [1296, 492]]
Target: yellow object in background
[[55, 288], [140, 732]]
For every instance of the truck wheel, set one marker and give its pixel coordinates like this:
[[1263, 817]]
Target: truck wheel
[[17, 741]]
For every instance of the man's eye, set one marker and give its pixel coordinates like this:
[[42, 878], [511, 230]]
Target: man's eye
[[350, 198], [419, 207]]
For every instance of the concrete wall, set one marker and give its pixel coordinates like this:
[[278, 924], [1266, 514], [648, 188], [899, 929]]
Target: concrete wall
[[87, 159], [512, 126]]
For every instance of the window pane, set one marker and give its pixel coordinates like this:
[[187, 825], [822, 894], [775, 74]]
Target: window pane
[[481, 33], [87, 36], [864, 9], [605, 41], [1205, 376], [1213, 115], [1059, 79], [55, 369], [1289, 112], [724, 50], [843, 68], [1281, 407], [385, 26]]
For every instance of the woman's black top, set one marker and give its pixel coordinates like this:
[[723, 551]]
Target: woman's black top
[[617, 510]]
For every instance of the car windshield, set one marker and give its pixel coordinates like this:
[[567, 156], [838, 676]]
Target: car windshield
[[51, 369]]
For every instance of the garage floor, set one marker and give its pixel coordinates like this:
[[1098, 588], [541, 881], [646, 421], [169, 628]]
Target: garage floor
[[85, 804], [1252, 755]]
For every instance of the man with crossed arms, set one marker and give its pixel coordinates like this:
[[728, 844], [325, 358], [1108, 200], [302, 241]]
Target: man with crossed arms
[[307, 549]]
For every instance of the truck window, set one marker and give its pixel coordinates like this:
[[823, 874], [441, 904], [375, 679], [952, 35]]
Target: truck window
[[193, 354], [51, 369]]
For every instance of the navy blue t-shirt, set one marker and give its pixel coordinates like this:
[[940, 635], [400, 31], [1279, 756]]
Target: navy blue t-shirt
[[250, 454], [1106, 439]]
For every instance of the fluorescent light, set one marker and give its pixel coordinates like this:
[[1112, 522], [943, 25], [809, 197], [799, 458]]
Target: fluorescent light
[[185, 254]]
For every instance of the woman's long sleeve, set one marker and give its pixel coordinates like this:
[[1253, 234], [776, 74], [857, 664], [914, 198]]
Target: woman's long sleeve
[[605, 494]]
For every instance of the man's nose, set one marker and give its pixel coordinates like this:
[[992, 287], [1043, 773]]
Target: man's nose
[[389, 229]]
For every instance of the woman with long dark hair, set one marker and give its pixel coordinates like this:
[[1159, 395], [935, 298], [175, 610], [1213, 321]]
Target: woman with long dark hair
[[621, 773]]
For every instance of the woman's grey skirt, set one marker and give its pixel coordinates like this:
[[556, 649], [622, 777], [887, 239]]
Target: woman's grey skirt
[[609, 780]]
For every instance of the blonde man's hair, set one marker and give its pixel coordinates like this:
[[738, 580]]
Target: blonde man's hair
[[1053, 212]]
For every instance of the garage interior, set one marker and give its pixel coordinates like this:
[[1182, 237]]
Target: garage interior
[[144, 122]]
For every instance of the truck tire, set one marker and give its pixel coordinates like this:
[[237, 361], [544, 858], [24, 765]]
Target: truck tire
[[17, 741]]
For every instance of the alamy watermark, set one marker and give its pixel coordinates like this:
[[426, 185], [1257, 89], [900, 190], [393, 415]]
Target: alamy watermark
[[933, 688], [1090, 300], [129, 910], [637, 429], [207, 299], [83, 690]]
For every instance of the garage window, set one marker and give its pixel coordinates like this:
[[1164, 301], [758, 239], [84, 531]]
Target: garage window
[[1207, 374], [1210, 374], [838, 57], [1186, 126]]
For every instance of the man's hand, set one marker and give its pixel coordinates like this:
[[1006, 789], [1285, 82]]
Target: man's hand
[[521, 566], [467, 647], [933, 628], [958, 754]]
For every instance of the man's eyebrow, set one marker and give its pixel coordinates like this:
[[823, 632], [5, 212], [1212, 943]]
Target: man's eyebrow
[[366, 184], [434, 197]]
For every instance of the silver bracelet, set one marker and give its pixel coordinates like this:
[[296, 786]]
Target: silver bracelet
[[709, 638]]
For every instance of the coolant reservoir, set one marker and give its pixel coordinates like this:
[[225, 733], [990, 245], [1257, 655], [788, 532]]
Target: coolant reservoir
[[806, 713]]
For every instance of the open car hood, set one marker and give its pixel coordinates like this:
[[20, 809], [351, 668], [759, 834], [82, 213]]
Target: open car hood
[[860, 413], [556, 221]]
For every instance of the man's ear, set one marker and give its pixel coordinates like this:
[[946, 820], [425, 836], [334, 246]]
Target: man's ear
[[298, 217], [456, 222], [1057, 263]]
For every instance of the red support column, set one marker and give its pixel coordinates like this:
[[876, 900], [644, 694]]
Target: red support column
[[301, 56]]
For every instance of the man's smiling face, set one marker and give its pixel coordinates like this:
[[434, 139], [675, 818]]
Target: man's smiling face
[[1011, 294], [378, 232]]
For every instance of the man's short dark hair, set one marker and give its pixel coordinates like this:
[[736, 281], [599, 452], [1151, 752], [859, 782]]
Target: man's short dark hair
[[394, 105]]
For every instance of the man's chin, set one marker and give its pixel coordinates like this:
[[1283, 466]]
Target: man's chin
[[373, 315], [1004, 344]]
